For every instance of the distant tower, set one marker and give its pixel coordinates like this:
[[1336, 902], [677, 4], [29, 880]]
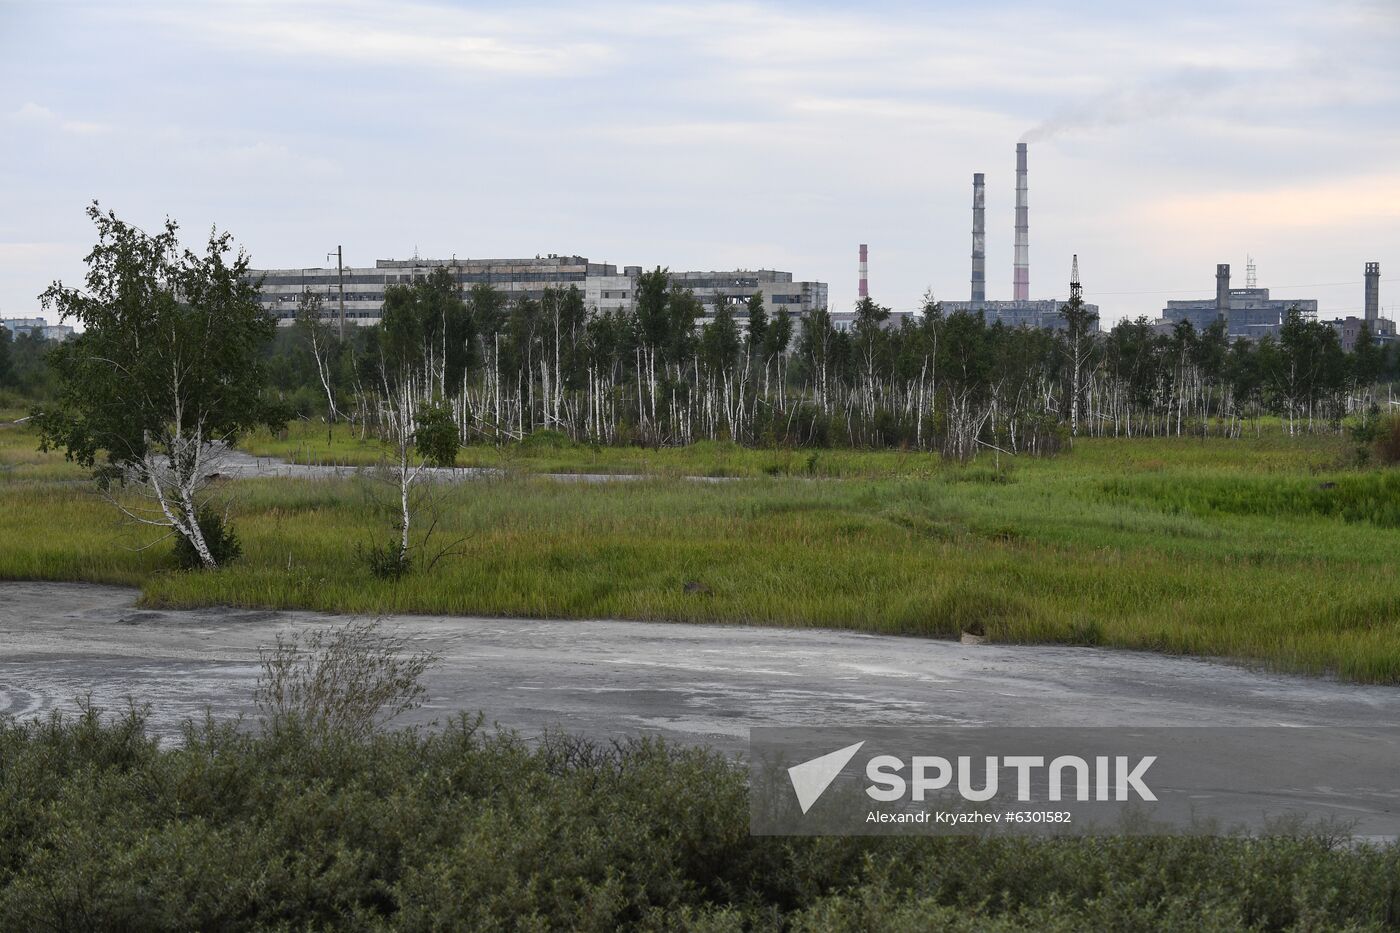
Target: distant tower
[[1076, 291], [864, 272], [1222, 293], [979, 237], [1373, 293], [1250, 279], [1021, 271]]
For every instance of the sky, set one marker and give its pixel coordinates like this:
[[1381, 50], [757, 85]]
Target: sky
[[1164, 138]]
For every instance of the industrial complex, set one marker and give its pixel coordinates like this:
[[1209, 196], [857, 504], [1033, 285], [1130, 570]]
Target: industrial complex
[[1021, 310], [1249, 313]]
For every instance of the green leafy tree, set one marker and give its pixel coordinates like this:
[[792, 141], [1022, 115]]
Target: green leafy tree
[[757, 324], [1368, 360], [435, 438], [817, 348], [683, 310], [487, 309], [870, 340], [720, 341], [319, 340], [5, 364], [653, 319], [165, 375], [428, 330], [779, 336]]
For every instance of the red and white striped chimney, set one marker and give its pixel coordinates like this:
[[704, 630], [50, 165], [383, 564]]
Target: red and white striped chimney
[[864, 272]]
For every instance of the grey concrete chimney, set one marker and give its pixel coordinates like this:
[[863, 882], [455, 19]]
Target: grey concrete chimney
[[1021, 273], [1373, 294], [1222, 293], [979, 237]]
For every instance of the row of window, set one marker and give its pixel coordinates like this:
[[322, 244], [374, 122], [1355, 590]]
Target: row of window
[[284, 315], [332, 297], [329, 297], [470, 278]]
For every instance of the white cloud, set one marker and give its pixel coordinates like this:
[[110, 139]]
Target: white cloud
[[37, 115], [708, 133], [400, 35]]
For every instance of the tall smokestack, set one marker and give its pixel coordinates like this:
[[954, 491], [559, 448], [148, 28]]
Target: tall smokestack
[[1373, 294], [864, 272], [979, 237], [1222, 293], [1021, 278]]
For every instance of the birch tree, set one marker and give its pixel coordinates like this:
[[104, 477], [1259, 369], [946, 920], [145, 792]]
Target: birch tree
[[321, 343], [165, 374]]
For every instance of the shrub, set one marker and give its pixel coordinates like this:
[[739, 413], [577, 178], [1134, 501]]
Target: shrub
[[103, 828], [1386, 443], [385, 561], [436, 439], [223, 544], [546, 439], [348, 680]]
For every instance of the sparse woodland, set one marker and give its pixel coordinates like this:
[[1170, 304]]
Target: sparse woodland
[[950, 383]]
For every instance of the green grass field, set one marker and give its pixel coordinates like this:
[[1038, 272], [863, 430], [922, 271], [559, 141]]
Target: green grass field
[[1268, 550], [549, 452]]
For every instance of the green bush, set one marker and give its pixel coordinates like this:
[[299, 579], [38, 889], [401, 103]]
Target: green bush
[[1386, 440], [101, 827], [547, 439], [385, 561], [219, 538], [435, 438]]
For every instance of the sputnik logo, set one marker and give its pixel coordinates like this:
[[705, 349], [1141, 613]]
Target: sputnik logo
[[811, 778]]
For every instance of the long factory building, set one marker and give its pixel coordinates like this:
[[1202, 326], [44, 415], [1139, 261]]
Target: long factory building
[[604, 287]]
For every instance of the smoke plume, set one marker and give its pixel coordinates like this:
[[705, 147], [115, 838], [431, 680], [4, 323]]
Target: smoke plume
[[1146, 101]]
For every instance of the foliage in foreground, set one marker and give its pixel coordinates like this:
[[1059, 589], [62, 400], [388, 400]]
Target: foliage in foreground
[[290, 827]]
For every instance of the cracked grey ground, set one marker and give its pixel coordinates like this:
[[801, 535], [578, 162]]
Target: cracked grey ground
[[691, 683]]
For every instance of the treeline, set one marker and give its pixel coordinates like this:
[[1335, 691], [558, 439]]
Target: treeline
[[656, 375], [24, 369]]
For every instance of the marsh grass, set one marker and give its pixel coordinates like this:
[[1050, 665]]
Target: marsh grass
[[1262, 550], [1271, 450]]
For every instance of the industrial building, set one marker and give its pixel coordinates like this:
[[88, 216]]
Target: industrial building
[[1021, 310], [1248, 312], [36, 326], [604, 288], [780, 292], [364, 287], [1382, 329]]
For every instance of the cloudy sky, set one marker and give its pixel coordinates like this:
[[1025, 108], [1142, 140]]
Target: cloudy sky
[[1164, 137]]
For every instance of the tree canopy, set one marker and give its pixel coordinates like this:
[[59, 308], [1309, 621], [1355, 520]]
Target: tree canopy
[[167, 371]]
